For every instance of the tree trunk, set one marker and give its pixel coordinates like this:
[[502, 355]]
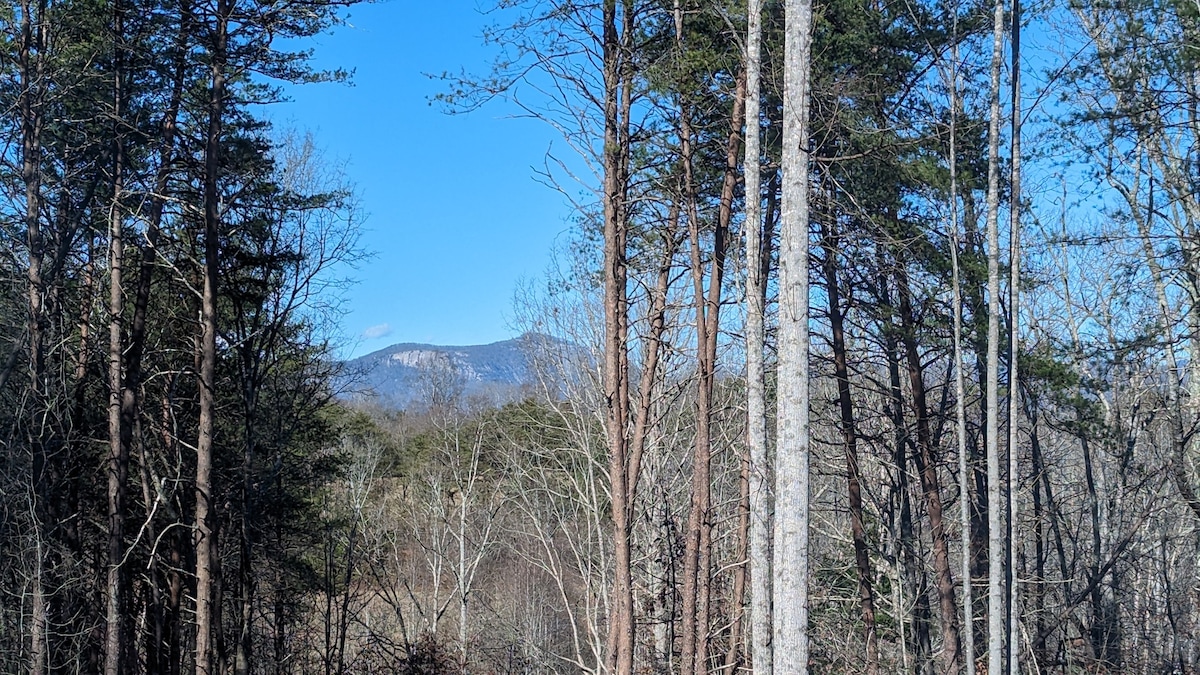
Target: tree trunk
[[735, 651], [974, 297], [960, 389], [32, 67], [756, 409], [243, 654], [997, 625], [927, 470], [621, 627], [910, 562], [158, 657], [695, 618], [118, 445], [206, 612], [790, 569], [858, 530], [707, 304], [1040, 657], [1014, 323]]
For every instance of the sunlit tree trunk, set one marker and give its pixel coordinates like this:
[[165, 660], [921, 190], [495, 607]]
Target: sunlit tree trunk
[[756, 423], [616, 75], [997, 624], [790, 569], [960, 389]]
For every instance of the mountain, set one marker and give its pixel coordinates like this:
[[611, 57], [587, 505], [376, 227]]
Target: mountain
[[411, 375]]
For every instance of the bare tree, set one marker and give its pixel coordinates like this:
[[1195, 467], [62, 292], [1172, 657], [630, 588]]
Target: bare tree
[[617, 29]]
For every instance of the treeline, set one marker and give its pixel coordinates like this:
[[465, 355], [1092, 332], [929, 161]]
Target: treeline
[[168, 260]]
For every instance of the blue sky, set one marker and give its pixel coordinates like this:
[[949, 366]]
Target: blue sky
[[455, 216]]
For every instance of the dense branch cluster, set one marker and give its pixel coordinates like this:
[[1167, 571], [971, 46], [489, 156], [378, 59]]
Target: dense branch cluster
[[165, 380]]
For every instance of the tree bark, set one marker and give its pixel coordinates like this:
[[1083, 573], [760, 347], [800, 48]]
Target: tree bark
[[960, 389], [118, 446], [32, 69], [997, 625], [790, 569], [858, 531], [616, 101], [756, 409], [1014, 323], [927, 470], [707, 305], [910, 562], [735, 650], [205, 537]]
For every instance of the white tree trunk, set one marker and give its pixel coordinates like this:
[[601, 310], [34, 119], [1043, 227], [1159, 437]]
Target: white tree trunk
[[790, 571], [756, 424], [960, 389], [996, 597]]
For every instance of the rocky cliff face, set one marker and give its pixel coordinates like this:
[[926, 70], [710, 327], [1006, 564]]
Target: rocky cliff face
[[410, 375]]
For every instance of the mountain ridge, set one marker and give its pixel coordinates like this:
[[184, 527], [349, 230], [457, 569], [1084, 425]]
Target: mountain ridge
[[409, 375]]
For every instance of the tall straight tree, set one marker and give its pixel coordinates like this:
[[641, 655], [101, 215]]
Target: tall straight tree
[[118, 459], [997, 625], [1014, 309], [960, 389], [617, 78], [34, 29], [205, 542], [790, 571], [830, 238], [697, 547], [697, 585], [756, 409]]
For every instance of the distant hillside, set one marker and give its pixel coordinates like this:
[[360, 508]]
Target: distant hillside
[[409, 374]]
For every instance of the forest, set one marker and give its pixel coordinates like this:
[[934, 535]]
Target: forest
[[861, 357]]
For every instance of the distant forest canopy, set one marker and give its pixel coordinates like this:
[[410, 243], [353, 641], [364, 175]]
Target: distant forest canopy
[[827, 386]]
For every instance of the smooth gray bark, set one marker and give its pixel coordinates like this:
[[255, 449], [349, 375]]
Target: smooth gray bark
[[960, 389], [756, 409], [792, 456], [997, 625]]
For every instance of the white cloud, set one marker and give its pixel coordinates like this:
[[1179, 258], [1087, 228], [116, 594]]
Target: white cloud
[[376, 332]]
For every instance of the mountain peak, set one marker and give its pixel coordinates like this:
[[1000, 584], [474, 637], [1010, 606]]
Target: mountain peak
[[409, 375]]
